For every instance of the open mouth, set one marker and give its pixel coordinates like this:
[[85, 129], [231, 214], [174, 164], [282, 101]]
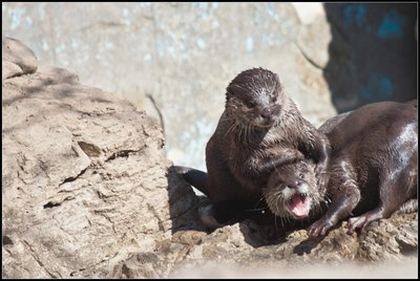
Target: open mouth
[[299, 205]]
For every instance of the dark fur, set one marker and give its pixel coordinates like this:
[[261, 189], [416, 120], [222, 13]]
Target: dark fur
[[369, 146], [373, 168], [285, 181], [260, 129]]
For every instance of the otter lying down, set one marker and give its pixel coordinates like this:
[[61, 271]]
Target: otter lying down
[[372, 171]]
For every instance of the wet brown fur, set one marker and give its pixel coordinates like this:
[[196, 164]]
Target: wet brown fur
[[373, 167], [240, 156]]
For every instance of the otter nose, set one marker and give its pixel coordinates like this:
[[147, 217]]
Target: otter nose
[[295, 184], [266, 113]]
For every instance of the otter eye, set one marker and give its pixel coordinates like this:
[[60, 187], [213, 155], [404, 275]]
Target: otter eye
[[273, 99], [250, 104], [301, 176]]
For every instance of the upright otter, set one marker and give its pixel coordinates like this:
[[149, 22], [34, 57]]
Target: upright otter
[[373, 169], [260, 129]]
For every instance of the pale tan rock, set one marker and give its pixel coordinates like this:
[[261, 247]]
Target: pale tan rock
[[85, 180], [17, 58]]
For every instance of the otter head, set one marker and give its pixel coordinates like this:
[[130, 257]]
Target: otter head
[[292, 190], [254, 98]]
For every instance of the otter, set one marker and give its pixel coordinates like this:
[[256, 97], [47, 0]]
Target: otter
[[292, 191], [372, 171], [260, 129]]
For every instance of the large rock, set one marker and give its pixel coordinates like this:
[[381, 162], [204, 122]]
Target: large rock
[[88, 193], [17, 58], [84, 180]]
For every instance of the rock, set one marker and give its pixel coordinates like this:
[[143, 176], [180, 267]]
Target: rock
[[88, 193], [85, 181], [385, 240], [17, 58], [392, 246], [313, 41], [10, 69]]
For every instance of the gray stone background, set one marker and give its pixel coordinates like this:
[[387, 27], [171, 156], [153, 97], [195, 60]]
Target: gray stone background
[[175, 59]]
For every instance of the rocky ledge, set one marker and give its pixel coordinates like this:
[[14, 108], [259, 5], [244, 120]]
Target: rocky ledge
[[87, 192]]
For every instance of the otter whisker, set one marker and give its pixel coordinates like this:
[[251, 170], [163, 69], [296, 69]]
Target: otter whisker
[[232, 127], [278, 201]]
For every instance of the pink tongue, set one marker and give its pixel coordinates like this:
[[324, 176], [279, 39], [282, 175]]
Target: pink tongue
[[297, 206]]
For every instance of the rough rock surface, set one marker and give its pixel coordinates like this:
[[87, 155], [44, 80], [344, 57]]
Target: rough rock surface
[[17, 59], [87, 192], [84, 178]]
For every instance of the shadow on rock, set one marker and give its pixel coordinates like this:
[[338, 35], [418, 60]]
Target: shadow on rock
[[306, 246], [258, 235], [183, 203], [372, 53]]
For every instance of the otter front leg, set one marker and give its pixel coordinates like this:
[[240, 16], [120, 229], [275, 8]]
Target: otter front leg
[[345, 197], [317, 146], [361, 221], [267, 165], [340, 209], [396, 193]]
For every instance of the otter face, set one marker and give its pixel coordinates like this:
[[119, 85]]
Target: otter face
[[292, 190], [253, 97]]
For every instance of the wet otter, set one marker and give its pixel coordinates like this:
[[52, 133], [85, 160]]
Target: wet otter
[[292, 191], [260, 129], [373, 169]]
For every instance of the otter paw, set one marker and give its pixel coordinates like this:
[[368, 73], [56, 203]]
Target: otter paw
[[356, 223], [207, 217], [320, 227]]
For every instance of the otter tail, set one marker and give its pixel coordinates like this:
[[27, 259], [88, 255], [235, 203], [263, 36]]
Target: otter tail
[[194, 177]]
